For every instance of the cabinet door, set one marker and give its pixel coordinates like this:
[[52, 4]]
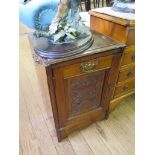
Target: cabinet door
[[83, 92]]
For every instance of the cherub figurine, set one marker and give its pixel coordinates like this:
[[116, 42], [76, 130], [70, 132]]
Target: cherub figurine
[[67, 25]]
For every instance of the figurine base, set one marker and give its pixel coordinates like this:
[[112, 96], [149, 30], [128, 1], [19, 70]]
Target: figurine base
[[45, 49]]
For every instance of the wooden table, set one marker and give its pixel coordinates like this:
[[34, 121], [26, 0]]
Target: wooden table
[[80, 86], [121, 30]]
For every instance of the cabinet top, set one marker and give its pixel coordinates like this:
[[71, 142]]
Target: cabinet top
[[101, 44], [114, 19]]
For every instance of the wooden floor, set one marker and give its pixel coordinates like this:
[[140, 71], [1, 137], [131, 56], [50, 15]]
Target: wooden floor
[[114, 136]]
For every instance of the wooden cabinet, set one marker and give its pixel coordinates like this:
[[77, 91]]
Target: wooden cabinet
[[123, 88], [121, 30], [80, 86], [82, 94], [126, 73], [129, 56]]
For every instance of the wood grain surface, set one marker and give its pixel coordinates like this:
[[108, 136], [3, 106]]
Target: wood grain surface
[[123, 31]]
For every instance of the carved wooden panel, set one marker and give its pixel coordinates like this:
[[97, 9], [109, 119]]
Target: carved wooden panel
[[84, 92], [79, 98]]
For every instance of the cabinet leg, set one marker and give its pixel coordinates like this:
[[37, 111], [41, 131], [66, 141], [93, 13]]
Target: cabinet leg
[[107, 114]]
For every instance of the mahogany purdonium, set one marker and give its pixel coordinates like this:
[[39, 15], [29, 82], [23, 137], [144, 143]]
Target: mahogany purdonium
[[79, 87]]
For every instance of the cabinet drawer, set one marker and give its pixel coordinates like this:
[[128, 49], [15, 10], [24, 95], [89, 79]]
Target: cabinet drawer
[[126, 73], [124, 88], [128, 57], [87, 66], [131, 36]]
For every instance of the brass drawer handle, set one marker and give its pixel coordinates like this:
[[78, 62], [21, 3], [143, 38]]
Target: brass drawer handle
[[89, 66], [125, 88], [36, 59], [133, 57], [130, 74]]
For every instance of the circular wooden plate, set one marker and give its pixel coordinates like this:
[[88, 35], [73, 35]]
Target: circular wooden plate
[[44, 48]]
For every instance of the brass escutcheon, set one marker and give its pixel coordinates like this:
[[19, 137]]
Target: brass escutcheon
[[89, 66]]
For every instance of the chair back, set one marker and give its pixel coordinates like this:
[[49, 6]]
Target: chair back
[[87, 5]]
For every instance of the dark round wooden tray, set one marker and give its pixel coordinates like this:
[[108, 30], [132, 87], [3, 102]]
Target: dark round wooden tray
[[44, 48]]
